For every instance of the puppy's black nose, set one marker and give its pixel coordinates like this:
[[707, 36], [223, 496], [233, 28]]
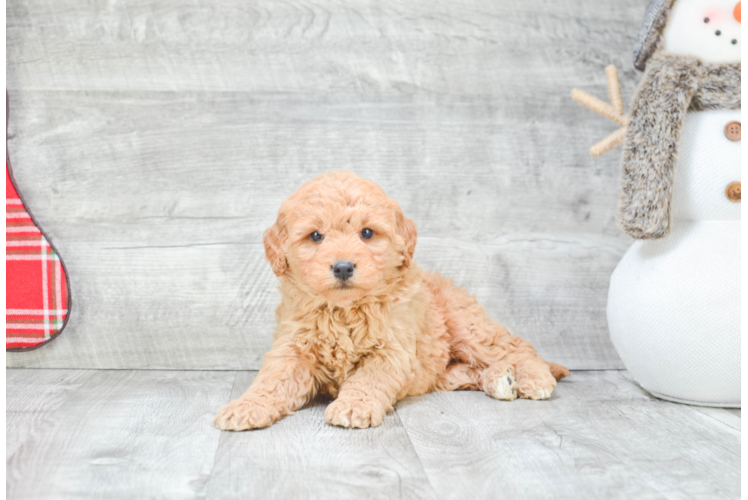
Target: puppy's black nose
[[343, 269]]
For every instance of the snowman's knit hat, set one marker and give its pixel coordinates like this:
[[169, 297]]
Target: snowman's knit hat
[[650, 34]]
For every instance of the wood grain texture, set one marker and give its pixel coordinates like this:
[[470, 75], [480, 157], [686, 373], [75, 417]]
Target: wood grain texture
[[600, 436], [31, 401], [155, 143], [122, 434], [147, 434], [303, 457], [418, 46], [728, 416]]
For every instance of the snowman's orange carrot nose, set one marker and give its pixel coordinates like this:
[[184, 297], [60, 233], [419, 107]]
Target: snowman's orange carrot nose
[[741, 12]]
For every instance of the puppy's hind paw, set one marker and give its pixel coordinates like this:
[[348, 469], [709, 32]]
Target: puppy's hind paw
[[501, 384], [539, 385]]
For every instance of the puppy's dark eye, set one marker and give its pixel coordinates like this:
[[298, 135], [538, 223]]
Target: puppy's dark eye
[[315, 236], [367, 234]]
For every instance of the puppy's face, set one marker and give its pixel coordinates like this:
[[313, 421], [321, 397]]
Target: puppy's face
[[341, 237]]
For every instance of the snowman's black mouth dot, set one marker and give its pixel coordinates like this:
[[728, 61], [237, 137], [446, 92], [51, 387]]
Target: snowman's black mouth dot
[[718, 32], [706, 19], [734, 42]]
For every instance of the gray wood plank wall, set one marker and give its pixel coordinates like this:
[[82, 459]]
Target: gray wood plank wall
[[154, 142]]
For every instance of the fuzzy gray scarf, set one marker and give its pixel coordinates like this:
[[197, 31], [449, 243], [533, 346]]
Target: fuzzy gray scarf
[[671, 86]]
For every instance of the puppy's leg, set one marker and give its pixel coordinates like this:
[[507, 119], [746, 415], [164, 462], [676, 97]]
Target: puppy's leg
[[476, 341], [558, 371], [369, 393], [534, 377], [284, 384], [460, 376], [499, 381]]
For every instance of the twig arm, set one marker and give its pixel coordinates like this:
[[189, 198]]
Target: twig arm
[[610, 142], [614, 88], [599, 106], [612, 111]]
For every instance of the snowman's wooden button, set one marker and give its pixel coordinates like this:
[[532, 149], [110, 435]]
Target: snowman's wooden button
[[737, 191], [732, 131]]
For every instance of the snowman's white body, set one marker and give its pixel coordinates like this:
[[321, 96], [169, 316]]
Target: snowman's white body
[[674, 303]]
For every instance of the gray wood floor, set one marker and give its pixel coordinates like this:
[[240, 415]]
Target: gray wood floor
[[147, 434]]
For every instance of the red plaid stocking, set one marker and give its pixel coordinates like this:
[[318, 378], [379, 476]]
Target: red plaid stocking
[[36, 304]]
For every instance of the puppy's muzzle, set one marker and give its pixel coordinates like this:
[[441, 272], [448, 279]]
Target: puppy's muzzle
[[343, 269]]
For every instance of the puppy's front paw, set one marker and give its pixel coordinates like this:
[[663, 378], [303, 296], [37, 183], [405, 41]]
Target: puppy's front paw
[[360, 413], [244, 414], [538, 385]]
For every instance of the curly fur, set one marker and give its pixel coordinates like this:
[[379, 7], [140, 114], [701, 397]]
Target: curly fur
[[672, 85], [390, 331]]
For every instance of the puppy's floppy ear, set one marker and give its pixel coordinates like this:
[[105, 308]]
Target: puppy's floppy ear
[[274, 240], [406, 229]]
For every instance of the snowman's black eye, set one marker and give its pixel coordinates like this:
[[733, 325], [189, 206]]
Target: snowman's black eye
[[706, 19], [315, 236], [734, 41], [718, 32], [367, 234]]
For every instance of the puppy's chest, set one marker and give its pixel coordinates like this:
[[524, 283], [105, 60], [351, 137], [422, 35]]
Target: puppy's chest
[[338, 355], [340, 344]]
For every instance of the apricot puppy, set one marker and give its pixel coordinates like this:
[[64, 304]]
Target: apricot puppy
[[361, 322]]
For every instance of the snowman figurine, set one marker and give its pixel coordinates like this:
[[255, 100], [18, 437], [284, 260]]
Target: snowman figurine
[[674, 298]]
